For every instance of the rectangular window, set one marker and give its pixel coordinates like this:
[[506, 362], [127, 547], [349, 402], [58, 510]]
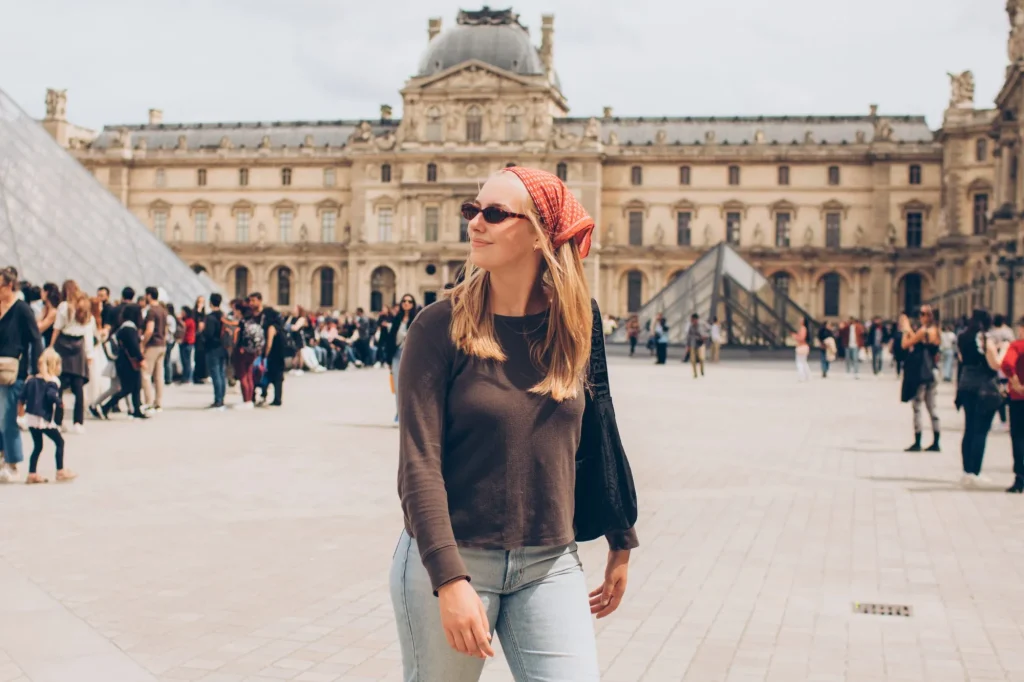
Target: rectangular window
[[833, 239], [636, 228], [463, 229], [915, 230], [201, 177], [684, 175], [161, 178], [683, 228], [431, 223], [285, 226], [328, 220], [243, 177], [385, 219], [734, 175], [160, 225], [833, 175], [636, 175], [783, 175], [202, 218], [286, 176], [330, 177], [732, 228], [914, 173], [980, 214], [242, 226], [981, 150], [782, 221]]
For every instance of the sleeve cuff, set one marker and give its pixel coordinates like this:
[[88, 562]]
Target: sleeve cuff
[[443, 566], [623, 539]]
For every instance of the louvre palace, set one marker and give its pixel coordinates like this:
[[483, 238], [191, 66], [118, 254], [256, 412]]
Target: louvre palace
[[847, 214]]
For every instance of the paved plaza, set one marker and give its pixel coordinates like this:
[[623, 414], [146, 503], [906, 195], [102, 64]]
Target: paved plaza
[[254, 546]]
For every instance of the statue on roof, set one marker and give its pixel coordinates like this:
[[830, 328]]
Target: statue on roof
[[56, 104], [613, 137], [593, 129], [961, 90], [660, 137], [883, 130], [1015, 45], [363, 133]]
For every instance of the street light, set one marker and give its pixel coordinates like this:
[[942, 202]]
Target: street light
[[1011, 268]]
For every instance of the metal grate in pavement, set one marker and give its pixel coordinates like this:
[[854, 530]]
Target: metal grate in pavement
[[904, 610]]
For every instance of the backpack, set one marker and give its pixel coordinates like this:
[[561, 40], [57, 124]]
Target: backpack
[[253, 339], [227, 334]]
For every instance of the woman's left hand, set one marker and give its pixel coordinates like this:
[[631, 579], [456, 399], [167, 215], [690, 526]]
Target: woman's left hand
[[607, 598]]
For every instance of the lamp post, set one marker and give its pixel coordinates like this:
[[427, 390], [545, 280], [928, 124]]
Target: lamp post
[[1011, 268]]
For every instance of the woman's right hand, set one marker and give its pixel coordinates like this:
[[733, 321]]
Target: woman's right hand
[[464, 619]]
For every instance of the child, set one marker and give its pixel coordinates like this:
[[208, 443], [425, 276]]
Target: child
[[43, 410]]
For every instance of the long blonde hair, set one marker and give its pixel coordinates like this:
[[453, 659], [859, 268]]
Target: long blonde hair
[[564, 354], [50, 363]]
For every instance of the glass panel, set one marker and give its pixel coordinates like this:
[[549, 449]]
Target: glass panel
[[241, 282], [431, 222], [285, 226], [634, 290], [242, 227], [980, 213], [328, 221], [832, 230], [782, 229], [683, 228], [385, 217], [326, 287], [732, 228], [915, 230]]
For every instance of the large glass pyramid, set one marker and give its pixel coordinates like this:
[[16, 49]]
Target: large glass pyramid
[[722, 284], [58, 222]]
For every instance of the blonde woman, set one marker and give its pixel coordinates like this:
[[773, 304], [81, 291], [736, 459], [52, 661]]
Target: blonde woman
[[73, 338], [489, 429]]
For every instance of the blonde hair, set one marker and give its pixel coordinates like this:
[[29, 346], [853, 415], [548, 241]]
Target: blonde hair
[[564, 354], [50, 363]]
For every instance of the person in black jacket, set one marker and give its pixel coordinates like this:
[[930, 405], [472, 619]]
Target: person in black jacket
[[130, 362], [216, 353], [394, 338], [20, 349]]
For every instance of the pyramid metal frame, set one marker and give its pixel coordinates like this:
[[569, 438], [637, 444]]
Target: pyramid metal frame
[[722, 284], [58, 222]]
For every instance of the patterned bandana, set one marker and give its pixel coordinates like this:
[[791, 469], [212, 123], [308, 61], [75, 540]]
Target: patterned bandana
[[561, 214]]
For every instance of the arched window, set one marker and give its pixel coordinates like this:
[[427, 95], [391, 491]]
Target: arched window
[[634, 290], [513, 124], [830, 285], [241, 282], [326, 287], [562, 171], [431, 172], [434, 132], [382, 288], [284, 286], [474, 124], [385, 172]]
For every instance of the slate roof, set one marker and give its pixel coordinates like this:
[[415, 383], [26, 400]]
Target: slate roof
[[249, 135]]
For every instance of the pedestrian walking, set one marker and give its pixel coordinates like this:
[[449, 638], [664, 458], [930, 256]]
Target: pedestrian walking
[[920, 384], [977, 393]]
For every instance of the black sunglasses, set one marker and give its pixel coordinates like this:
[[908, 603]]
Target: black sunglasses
[[408, 300], [492, 214]]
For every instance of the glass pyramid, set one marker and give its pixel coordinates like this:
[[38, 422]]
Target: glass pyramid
[[722, 284], [58, 222]]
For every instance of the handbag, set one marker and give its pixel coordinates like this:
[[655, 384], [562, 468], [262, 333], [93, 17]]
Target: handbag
[[605, 493], [9, 371]]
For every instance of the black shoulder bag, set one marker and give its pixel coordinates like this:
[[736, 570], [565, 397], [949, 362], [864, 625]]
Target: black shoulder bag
[[605, 493]]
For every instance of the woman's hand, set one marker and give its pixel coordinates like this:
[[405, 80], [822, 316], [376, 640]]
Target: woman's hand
[[607, 598], [464, 619]]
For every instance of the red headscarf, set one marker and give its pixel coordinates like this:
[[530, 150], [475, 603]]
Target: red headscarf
[[562, 215]]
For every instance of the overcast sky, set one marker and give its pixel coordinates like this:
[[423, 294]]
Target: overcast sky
[[250, 60]]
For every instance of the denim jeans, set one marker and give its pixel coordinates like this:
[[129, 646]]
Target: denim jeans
[[9, 431], [825, 364], [535, 597], [185, 350], [217, 366], [853, 360], [168, 370], [876, 359]]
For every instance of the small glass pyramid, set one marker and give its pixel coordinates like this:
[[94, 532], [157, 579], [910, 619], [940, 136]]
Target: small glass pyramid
[[58, 222]]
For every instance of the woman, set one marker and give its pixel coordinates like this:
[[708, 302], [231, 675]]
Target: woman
[[633, 332], [130, 362], [249, 344], [51, 301], [947, 347], [803, 349], [499, 367], [393, 339], [977, 393], [74, 334], [1012, 366], [827, 341], [199, 371], [920, 386], [188, 342], [660, 337]]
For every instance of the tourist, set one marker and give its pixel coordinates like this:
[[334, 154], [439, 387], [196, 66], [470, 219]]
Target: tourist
[[199, 352], [394, 340], [51, 301], [154, 344], [851, 337], [803, 350], [74, 335], [633, 332], [273, 354], [716, 340], [186, 346], [362, 342], [896, 344], [1002, 336], [214, 334], [249, 345], [827, 343], [977, 393], [488, 442], [947, 350], [172, 335], [20, 348], [1012, 367], [660, 338], [876, 335], [130, 363], [919, 382], [695, 341], [43, 414]]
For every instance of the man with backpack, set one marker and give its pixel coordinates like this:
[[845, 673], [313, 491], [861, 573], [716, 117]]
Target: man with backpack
[[218, 336], [249, 345]]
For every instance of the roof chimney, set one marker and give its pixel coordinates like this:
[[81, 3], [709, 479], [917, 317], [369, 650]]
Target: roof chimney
[[607, 112], [547, 42], [385, 112], [156, 117], [874, 110], [433, 27]]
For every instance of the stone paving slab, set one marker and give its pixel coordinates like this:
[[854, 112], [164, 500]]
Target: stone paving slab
[[254, 546]]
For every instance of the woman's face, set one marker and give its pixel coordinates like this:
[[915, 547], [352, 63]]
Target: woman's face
[[510, 243], [407, 304]]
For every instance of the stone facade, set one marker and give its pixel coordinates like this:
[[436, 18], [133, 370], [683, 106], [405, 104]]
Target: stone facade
[[854, 215]]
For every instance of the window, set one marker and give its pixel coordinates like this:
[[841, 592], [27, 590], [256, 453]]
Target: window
[[385, 172], [782, 221], [463, 228], [684, 175], [683, 228], [912, 293], [636, 228], [243, 177], [562, 171], [915, 229], [330, 177], [201, 177], [202, 218], [160, 225], [513, 124], [242, 226], [286, 176], [832, 234], [780, 282], [636, 175], [284, 286], [328, 221], [385, 219], [326, 287], [431, 172], [474, 124], [434, 130], [241, 282], [431, 223], [830, 285], [634, 290], [732, 228], [783, 175], [161, 178], [833, 175], [981, 149], [980, 214], [915, 174], [734, 175], [285, 226]]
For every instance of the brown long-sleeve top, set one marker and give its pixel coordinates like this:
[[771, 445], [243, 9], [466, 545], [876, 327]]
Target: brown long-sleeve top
[[483, 462]]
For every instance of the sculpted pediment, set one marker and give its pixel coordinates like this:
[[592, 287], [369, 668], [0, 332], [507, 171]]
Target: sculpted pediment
[[472, 75]]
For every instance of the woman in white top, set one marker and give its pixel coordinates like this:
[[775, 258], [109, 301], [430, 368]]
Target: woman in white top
[[74, 334]]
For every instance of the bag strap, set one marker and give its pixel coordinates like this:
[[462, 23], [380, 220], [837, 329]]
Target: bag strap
[[597, 379]]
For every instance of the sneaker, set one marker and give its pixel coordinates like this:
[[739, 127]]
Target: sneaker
[[22, 424], [139, 415], [967, 481], [242, 406], [156, 410], [980, 479], [6, 475], [78, 429], [219, 408], [95, 411], [378, 365]]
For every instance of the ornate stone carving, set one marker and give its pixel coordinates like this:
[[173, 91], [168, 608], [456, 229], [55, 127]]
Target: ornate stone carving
[[809, 236], [182, 142], [472, 170], [216, 233], [861, 137], [363, 133], [225, 142], [707, 235], [303, 234], [660, 137], [560, 139], [613, 138], [758, 137], [610, 234], [709, 136], [758, 235], [809, 137], [122, 138], [659, 235], [883, 130], [961, 90], [858, 236], [1015, 45], [56, 104], [386, 142], [265, 142], [176, 232], [346, 237], [307, 141], [593, 129], [261, 234]]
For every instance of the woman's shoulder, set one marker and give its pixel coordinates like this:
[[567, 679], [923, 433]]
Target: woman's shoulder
[[434, 318]]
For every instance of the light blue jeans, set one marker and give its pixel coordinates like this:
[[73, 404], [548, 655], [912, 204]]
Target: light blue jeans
[[536, 600], [9, 431], [853, 360]]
